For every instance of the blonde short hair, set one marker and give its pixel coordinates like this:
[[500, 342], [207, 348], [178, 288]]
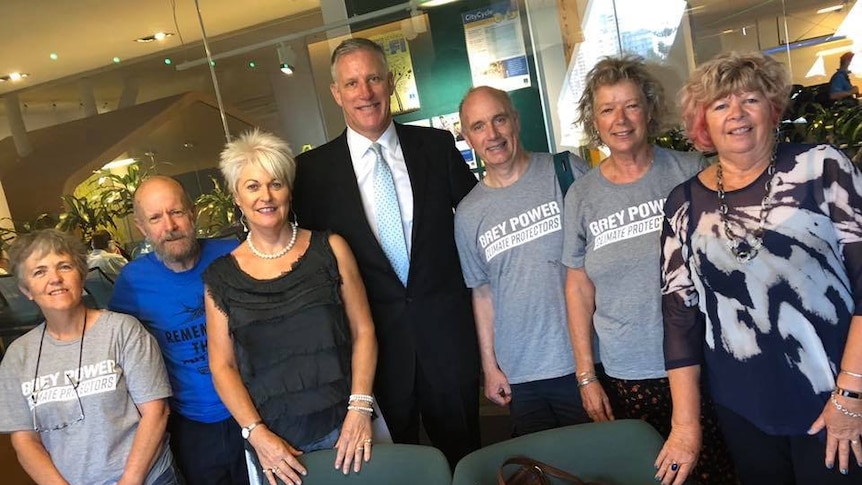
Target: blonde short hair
[[267, 151], [728, 74], [614, 70]]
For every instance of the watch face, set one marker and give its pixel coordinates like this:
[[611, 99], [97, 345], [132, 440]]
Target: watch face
[[245, 433]]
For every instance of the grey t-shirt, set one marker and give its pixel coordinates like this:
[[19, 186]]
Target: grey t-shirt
[[511, 238], [613, 231], [121, 365]]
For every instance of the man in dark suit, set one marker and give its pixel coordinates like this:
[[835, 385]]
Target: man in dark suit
[[428, 363]]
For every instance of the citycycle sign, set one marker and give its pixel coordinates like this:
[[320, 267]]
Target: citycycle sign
[[478, 15]]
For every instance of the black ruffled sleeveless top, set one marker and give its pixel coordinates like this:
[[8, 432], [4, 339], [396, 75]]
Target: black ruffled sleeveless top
[[291, 339]]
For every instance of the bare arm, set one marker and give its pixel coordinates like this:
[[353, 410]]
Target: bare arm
[[272, 451], [497, 388], [148, 440], [357, 426], [34, 458], [679, 454], [580, 306], [841, 429]]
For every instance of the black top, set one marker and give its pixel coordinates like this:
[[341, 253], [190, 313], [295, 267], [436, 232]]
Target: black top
[[291, 339]]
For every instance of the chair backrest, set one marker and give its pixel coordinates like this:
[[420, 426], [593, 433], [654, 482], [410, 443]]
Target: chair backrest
[[618, 452], [99, 287], [390, 464]]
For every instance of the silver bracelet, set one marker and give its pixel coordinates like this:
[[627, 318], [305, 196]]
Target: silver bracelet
[[587, 381], [844, 411]]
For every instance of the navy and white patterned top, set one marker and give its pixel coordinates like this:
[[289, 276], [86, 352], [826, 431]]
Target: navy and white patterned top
[[776, 326]]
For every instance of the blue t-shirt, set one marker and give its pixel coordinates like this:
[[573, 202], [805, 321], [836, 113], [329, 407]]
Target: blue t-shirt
[[840, 82], [171, 307]]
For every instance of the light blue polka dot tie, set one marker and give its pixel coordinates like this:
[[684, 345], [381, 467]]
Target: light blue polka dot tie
[[389, 227]]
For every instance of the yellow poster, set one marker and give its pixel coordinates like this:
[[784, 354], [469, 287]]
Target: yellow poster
[[406, 96]]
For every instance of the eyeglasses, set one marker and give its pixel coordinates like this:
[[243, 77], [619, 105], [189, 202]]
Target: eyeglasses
[[38, 429]]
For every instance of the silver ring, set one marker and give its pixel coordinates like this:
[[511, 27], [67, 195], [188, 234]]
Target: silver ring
[[360, 448], [367, 440]]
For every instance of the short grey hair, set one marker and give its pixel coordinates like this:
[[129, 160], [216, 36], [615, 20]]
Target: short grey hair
[[260, 148], [44, 242], [614, 70], [349, 46]]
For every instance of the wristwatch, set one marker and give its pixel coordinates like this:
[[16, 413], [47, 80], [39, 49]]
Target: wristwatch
[[246, 431]]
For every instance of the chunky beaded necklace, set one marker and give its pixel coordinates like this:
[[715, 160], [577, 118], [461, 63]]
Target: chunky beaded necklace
[[745, 247], [277, 254]]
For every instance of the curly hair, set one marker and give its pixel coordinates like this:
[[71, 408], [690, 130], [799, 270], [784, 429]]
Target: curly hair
[[614, 70], [43, 242], [727, 74]]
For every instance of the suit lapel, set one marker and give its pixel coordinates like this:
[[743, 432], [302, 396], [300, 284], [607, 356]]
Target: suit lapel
[[350, 198], [417, 166], [345, 179]]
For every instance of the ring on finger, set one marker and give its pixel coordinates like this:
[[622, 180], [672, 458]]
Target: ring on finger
[[360, 448], [275, 471], [367, 440], [854, 442], [674, 466]]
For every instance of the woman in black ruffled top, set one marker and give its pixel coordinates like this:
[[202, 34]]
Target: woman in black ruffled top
[[291, 341]]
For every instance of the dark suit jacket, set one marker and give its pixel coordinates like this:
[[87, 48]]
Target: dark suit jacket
[[431, 321]]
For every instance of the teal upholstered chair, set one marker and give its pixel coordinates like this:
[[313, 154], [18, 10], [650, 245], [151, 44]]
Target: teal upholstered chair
[[611, 453], [390, 464]]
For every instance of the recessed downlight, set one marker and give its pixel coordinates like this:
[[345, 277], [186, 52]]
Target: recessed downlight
[[155, 37]]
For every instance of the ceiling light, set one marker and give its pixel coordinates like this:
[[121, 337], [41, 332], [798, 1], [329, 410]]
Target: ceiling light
[[13, 76], [728, 31], [53, 56], [155, 37], [831, 9], [118, 163], [252, 64], [286, 59], [168, 61], [116, 60], [434, 3]]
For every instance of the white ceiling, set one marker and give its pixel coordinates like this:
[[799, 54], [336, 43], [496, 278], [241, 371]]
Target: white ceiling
[[87, 34]]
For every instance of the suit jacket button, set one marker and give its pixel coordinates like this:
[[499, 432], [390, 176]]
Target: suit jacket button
[[409, 300]]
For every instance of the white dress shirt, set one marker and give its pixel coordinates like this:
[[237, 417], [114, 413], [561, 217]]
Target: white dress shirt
[[364, 159]]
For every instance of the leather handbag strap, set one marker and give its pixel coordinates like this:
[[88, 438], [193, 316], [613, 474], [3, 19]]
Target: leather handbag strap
[[543, 467]]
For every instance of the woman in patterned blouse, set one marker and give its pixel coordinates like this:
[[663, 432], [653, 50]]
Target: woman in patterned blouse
[[762, 287]]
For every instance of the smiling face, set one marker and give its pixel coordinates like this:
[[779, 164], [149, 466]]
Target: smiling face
[[621, 117], [491, 127], [52, 281], [163, 216], [741, 124], [362, 87], [264, 199]]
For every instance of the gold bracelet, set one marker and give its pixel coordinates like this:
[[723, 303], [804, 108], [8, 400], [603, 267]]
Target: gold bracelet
[[840, 391], [851, 374]]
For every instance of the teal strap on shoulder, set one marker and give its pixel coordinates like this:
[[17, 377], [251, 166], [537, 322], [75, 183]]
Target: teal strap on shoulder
[[563, 167]]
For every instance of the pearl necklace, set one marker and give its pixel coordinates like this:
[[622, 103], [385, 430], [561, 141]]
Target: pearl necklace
[[277, 254], [745, 248]]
